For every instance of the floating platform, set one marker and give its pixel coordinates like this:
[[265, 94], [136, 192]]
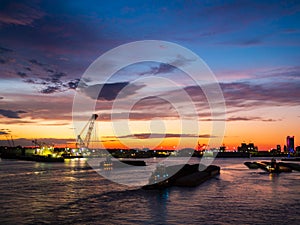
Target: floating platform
[[186, 176], [47, 159], [293, 166], [36, 158], [251, 165], [67, 156], [266, 166], [121, 163], [291, 159]]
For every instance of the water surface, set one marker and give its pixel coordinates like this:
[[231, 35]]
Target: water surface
[[73, 193]]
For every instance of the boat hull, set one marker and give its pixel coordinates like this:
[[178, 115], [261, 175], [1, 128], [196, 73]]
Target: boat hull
[[187, 176]]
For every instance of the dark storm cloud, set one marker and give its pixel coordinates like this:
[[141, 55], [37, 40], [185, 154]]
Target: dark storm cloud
[[11, 114], [49, 82], [49, 85], [110, 91], [73, 84], [50, 89]]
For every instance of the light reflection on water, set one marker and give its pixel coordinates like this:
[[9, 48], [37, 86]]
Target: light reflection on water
[[72, 193]]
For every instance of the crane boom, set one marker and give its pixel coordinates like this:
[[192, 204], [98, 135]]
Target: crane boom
[[8, 141], [12, 141], [91, 127], [84, 142]]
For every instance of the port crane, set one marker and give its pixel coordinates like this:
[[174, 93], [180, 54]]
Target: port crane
[[11, 142], [83, 142]]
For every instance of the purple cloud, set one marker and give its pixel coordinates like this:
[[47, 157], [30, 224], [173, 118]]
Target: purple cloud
[[50, 89], [28, 142], [49, 82], [240, 118], [19, 13], [35, 62], [22, 74], [281, 72], [164, 68], [159, 135], [245, 94], [11, 114], [5, 50], [245, 41]]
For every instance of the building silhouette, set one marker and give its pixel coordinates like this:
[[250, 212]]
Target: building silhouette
[[278, 148], [298, 150], [290, 144], [247, 147]]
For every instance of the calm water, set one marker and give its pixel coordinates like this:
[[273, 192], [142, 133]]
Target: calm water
[[72, 193]]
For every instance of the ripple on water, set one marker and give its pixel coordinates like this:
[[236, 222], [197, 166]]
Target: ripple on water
[[32, 193]]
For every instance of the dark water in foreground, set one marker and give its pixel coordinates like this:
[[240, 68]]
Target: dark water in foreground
[[71, 193]]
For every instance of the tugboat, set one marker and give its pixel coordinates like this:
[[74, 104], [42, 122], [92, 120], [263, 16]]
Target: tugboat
[[159, 176], [107, 163]]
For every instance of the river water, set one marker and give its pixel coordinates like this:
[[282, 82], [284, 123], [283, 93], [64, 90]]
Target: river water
[[73, 193]]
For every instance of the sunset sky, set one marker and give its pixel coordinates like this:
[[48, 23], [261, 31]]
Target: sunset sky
[[252, 47]]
